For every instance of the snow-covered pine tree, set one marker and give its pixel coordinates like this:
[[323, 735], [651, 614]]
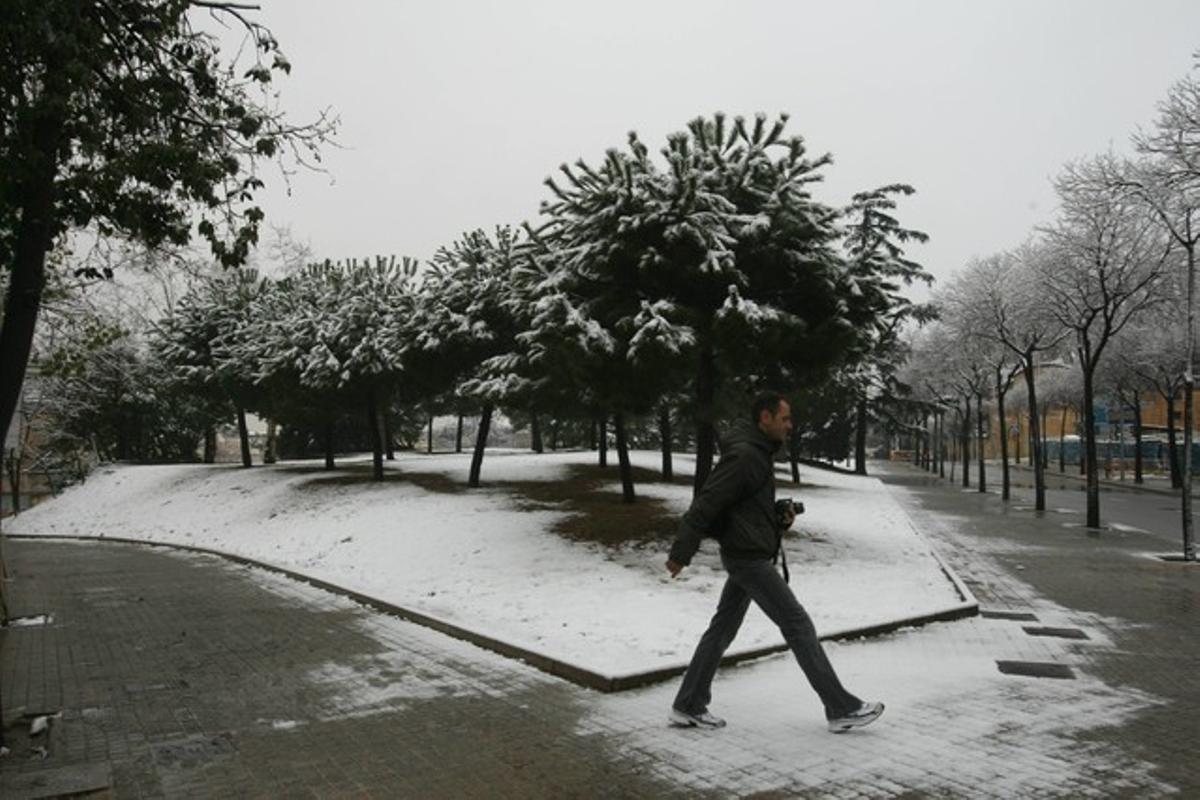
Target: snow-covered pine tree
[[728, 247], [876, 271], [330, 337], [603, 234], [471, 305], [194, 341]]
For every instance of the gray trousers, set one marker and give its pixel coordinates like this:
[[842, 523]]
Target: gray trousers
[[758, 580]]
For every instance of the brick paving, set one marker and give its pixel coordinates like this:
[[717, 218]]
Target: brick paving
[[1147, 608], [186, 675], [189, 676]]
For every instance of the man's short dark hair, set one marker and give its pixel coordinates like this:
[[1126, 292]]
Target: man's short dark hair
[[765, 401]]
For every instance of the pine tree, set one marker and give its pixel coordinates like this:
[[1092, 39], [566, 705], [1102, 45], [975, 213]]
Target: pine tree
[[876, 269], [464, 327], [197, 339]]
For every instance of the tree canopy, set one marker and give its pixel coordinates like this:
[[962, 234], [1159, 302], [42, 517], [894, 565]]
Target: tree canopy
[[126, 119]]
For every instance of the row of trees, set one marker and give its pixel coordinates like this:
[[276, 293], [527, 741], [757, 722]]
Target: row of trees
[[649, 284], [646, 290], [1107, 289]]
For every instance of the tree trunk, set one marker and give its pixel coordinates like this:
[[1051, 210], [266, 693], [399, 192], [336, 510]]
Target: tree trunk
[[535, 433], [965, 436], [706, 393], [922, 443], [1045, 433], [1089, 438], [329, 445], [243, 436], [429, 436], [979, 442], [376, 440], [794, 457], [860, 438], [458, 435], [210, 444], [952, 446], [12, 464], [941, 443], [35, 232], [664, 435], [4, 610], [122, 440], [626, 468], [931, 443], [604, 441], [934, 444], [1062, 443], [1083, 461], [269, 449], [915, 423], [1172, 446], [389, 444], [1189, 387], [554, 430], [1002, 430], [481, 436], [1137, 443], [706, 442], [1017, 440], [1035, 455]]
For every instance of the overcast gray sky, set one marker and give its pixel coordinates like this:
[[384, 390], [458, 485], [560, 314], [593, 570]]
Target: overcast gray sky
[[454, 112]]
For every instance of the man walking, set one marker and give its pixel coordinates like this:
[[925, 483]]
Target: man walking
[[737, 505]]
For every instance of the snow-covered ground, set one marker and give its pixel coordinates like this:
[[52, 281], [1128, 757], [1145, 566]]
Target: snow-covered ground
[[483, 561]]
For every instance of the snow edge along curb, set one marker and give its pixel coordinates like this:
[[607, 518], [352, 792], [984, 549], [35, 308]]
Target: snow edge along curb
[[556, 667]]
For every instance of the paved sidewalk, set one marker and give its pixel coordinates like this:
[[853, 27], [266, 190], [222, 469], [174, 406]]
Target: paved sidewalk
[[186, 675], [1071, 479], [1149, 608]]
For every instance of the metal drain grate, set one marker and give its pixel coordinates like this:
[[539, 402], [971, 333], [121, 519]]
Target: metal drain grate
[[1061, 633], [1036, 669]]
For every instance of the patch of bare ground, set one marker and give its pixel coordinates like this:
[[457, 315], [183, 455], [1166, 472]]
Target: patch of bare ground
[[356, 474], [596, 511], [590, 496]]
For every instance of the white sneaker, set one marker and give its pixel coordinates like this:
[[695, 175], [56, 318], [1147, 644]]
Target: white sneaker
[[865, 715], [682, 719]]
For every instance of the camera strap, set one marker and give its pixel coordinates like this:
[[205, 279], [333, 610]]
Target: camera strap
[[780, 554]]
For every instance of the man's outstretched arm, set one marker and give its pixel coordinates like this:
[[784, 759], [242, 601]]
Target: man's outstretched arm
[[724, 487]]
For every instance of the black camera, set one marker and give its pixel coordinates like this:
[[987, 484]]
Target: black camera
[[782, 507]]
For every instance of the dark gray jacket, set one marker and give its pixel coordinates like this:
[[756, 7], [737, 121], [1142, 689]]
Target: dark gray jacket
[[736, 503]]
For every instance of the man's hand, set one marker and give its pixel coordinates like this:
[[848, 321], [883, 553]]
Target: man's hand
[[673, 568], [789, 517]]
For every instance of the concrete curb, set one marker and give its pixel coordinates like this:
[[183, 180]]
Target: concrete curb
[[560, 669]]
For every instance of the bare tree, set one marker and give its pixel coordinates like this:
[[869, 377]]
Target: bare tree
[[1109, 254], [962, 366], [979, 359], [1126, 382], [1169, 183], [1007, 308], [922, 373], [1156, 352]]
